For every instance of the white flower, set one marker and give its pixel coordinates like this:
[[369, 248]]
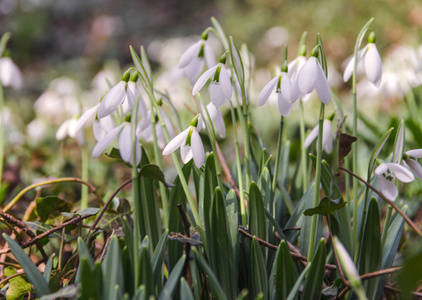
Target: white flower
[[125, 143], [220, 87], [371, 61], [193, 59], [217, 119], [112, 99], [387, 173], [190, 144], [9, 73], [282, 85], [327, 140], [144, 129], [410, 160], [311, 77], [295, 66], [68, 128], [132, 95], [100, 126]]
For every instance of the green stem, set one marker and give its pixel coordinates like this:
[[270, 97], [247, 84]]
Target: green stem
[[277, 158], [304, 158], [211, 135], [386, 225], [85, 177], [317, 182], [239, 167], [157, 154]]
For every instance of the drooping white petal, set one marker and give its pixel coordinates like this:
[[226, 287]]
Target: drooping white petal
[[388, 188], [107, 123], [98, 131], [284, 105], [203, 79], [197, 149], [186, 153], [401, 173], [327, 140], [130, 99], [9, 73], [178, 141], [209, 56], [190, 54], [225, 84], [267, 90], [321, 85], [285, 86], [216, 94], [125, 143], [105, 141], [373, 65], [311, 137], [72, 128], [295, 66], [415, 167], [295, 92], [86, 116], [217, 118], [307, 76], [194, 69], [348, 71], [63, 130], [416, 153], [112, 99], [381, 169]]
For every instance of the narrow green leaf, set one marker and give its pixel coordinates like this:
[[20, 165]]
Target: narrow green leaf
[[31, 271], [146, 272], [216, 288], [233, 221], [146, 64], [370, 252], [48, 268], [140, 294], [259, 273], [286, 271], [257, 220], [399, 143], [237, 62], [87, 280], [210, 183], [172, 281], [3, 42], [157, 258], [185, 292], [377, 150], [129, 240], [220, 31], [315, 277], [298, 283], [112, 268]]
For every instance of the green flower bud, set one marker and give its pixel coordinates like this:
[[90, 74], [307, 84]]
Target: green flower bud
[[371, 38], [128, 117], [134, 77], [314, 52], [284, 67], [194, 121], [331, 117], [223, 59], [302, 50], [204, 35], [126, 76], [160, 102], [217, 74]]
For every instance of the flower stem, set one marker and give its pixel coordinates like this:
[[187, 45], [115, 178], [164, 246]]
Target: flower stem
[[85, 177], [317, 182], [211, 135], [304, 158], [277, 158], [239, 167]]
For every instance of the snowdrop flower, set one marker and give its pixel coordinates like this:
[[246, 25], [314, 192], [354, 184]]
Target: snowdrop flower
[[297, 64], [220, 87], [132, 95], [387, 173], [327, 140], [282, 85], [190, 144], [10, 74], [144, 128], [193, 59], [100, 126], [217, 119], [311, 77], [125, 143], [410, 159], [371, 61], [114, 97], [68, 128]]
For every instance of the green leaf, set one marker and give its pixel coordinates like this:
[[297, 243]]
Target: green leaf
[[31, 271], [232, 210], [325, 207], [3, 42], [43, 228], [209, 185], [157, 258], [113, 219], [50, 209], [146, 64], [315, 276], [90, 211], [172, 281], [112, 268], [298, 283], [48, 268], [415, 128], [410, 275], [221, 33], [218, 292], [185, 292], [237, 62], [154, 172], [146, 272], [257, 221], [18, 286], [286, 271], [87, 280], [70, 292], [370, 252], [259, 273], [377, 150]]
